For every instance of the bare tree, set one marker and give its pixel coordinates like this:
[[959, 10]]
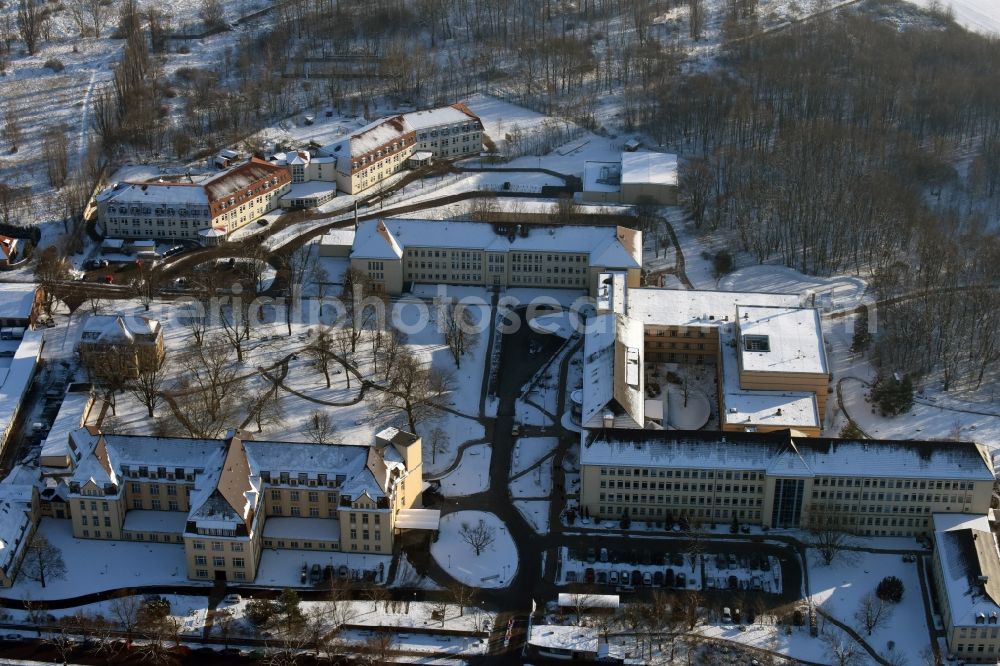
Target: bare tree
[[55, 149], [829, 537], [145, 285], [11, 200], [461, 333], [299, 265], [319, 428], [462, 596], [437, 441], [321, 349], [208, 395], [31, 16], [696, 19], [364, 305], [872, 612], [843, 650], [413, 389], [265, 406], [479, 536], [12, 126], [51, 271], [147, 385], [90, 16], [212, 14], [42, 560]]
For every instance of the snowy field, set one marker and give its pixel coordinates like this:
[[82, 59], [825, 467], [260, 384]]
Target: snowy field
[[536, 513], [94, 565], [534, 484], [472, 474], [843, 292], [839, 588], [981, 16], [494, 567], [529, 450]]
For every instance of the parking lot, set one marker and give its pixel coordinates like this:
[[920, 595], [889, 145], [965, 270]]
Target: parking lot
[[632, 569]]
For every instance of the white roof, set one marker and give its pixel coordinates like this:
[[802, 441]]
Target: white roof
[[113, 328], [752, 408], [956, 536], [15, 379], [445, 115], [418, 519], [338, 237], [308, 189], [140, 520], [605, 385], [15, 521], [319, 529], [777, 453], [607, 246], [674, 307], [649, 168], [795, 337], [577, 639], [71, 416], [16, 299], [602, 176], [177, 194], [372, 136]]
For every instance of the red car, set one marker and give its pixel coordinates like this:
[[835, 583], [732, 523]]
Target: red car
[[109, 279]]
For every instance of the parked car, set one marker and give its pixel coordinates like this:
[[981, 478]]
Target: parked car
[[262, 222], [515, 431], [626, 577], [328, 573], [658, 578], [736, 615], [613, 577], [591, 555], [727, 616], [342, 572], [636, 578], [109, 279], [647, 579], [668, 578], [231, 599], [571, 576], [588, 575], [603, 556], [602, 577], [680, 580]]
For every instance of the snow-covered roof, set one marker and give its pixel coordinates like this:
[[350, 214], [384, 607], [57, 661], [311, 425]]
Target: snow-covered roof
[[15, 378], [309, 459], [418, 519], [967, 549], [793, 337], [371, 137], [116, 328], [240, 177], [675, 307], [564, 637], [140, 520], [615, 247], [319, 529], [338, 238], [71, 416], [17, 300], [613, 372], [778, 452], [309, 189], [644, 167], [754, 408], [8, 247], [15, 520], [445, 115], [602, 176]]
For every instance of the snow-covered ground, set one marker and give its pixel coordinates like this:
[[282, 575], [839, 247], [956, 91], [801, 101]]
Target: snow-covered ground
[[529, 450], [536, 512], [839, 588], [976, 15], [472, 474], [842, 292], [282, 568], [494, 567], [534, 484], [95, 565]]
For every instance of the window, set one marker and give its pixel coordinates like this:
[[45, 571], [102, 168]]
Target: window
[[198, 545], [200, 560], [238, 562], [756, 343], [218, 561], [237, 547]]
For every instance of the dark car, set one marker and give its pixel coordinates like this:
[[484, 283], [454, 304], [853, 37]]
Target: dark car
[[588, 575], [658, 578], [602, 577], [734, 582], [328, 573], [680, 580], [636, 578], [342, 572], [668, 578]]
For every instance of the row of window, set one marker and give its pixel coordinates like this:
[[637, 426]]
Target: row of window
[[201, 560], [891, 497], [657, 512], [685, 487], [629, 498], [235, 546], [682, 473]]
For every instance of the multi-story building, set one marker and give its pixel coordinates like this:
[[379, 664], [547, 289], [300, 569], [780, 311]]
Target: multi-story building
[[228, 499], [396, 252], [966, 575], [871, 488], [768, 353], [190, 207], [20, 304], [124, 345], [19, 515], [369, 155], [448, 131]]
